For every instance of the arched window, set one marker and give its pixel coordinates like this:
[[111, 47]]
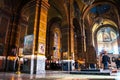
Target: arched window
[[55, 45]]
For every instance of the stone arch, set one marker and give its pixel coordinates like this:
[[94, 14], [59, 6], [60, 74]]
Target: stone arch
[[89, 21], [26, 21], [52, 29], [95, 33], [86, 10]]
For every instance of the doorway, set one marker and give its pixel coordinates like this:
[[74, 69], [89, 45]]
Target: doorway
[[107, 40]]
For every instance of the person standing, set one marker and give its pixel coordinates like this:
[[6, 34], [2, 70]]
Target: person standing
[[76, 65], [105, 60], [117, 61]]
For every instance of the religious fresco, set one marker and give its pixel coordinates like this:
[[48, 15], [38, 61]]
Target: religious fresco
[[41, 49], [107, 40], [28, 45]]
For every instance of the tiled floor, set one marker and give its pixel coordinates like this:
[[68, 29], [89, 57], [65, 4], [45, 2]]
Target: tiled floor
[[56, 75]]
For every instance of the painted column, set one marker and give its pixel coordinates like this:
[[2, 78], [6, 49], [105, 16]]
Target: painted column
[[40, 35], [91, 53], [83, 42]]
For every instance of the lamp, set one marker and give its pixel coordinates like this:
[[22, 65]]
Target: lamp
[[19, 63], [88, 2]]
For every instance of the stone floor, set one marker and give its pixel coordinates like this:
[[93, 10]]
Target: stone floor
[[57, 75]]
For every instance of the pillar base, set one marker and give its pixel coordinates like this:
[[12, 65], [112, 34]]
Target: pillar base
[[40, 64], [67, 65]]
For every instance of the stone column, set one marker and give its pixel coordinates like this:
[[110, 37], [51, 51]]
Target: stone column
[[65, 42], [12, 37], [40, 35], [83, 41], [67, 48], [67, 36], [69, 27], [72, 43], [91, 53]]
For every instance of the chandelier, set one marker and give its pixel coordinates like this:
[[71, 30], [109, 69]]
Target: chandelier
[[88, 2]]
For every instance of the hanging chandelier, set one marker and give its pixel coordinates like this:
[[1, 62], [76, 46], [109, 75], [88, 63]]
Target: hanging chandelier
[[88, 2]]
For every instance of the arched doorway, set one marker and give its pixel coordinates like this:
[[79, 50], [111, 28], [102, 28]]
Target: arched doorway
[[107, 40], [54, 54], [56, 45]]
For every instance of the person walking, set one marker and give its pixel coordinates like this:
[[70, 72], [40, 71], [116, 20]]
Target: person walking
[[105, 60], [76, 65]]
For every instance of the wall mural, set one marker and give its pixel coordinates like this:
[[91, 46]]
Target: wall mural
[[107, 40], [41, 49], [28, 45]]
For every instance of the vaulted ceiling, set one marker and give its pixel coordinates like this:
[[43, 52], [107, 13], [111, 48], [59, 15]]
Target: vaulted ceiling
[[91, 14], [107, 9]]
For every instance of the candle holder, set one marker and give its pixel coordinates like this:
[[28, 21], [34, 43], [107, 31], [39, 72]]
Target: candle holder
[[19, 64]]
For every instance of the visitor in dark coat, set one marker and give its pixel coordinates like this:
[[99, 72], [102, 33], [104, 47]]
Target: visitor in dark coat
[[117, 61], [105, 60]]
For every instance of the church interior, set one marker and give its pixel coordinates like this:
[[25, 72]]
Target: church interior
[[43, 34]]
